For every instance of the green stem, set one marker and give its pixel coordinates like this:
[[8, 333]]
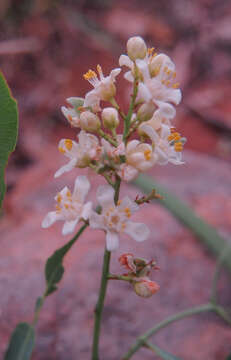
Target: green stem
[[127, 119], [100, 304], [119, 277], [103, 287], [117, 107], [107, 137], [222, 313], [142, 339]]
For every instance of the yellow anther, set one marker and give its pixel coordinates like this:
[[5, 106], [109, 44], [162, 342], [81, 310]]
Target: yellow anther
[[59, 198], [99, 69], [176, 86], [68, 143], [168, 72], [156, 70], [119, 202], [174, 75], [178, 146], [62, 150], [153, 56], [68, 193], [167, 82], [89, 75], [127, 212], [150, 51], [66, 206], [58, 208], [174, 136], [147, 154]]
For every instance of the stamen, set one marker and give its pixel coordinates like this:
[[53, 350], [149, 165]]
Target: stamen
[[62, 150], [58, 208], [150, 51], [66, 206], [147, 154], [68, 193], [68, 144], [59, 198], [175, 86], [127, 212], [90, 74], [119, 202]]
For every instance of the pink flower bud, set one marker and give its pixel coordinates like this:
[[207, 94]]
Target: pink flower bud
[[127, 260], [145, 287]]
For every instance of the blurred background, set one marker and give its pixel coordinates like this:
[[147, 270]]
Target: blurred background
[[45, 48]]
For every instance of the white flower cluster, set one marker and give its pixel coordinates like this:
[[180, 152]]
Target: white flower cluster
[[116, 154]]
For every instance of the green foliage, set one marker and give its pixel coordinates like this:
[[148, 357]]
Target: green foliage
[[205, 232], [54, 267], [163, 354], [8, 130], [21, 343]]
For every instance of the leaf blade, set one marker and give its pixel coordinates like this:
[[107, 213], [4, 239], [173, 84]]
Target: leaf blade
[[21, 343], [8, 130]]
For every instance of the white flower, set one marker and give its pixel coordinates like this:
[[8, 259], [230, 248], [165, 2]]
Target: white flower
[[114, 219], [70, 207], [157, 74], [112, 151], [167, 146], [139, 157], [81, 153], [71, 113], [104, 88]]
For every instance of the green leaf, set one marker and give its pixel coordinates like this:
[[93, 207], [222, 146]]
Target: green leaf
[[205, 232], [54, 267], [21, 343], [8, 130], [162, 353], [228, 357]]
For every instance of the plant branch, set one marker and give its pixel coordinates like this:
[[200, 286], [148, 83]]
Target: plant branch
[[142, 339]]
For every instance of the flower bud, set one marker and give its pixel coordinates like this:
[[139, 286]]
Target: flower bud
[[127, 260], [110, 118], [146, 111], [145, 287], [89, 121], [136, 48]]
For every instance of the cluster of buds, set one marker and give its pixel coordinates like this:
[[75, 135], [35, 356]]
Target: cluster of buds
[[138, 274], [147, 138]]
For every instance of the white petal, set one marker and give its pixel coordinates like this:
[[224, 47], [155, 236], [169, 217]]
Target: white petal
[[173, 95], [137, 231], [112, 240], [69, 226], [165, 131], [50, 219], [96, 221], [105, 195], [128, 172], [165, 109], [124, 60], [87, 209], [91, 99], [143, 93], [69, 166], [81, 188], [114, 73], [74, 148], [162, 156], [128, 76], [132, 145], [149, 131], [128, 203]]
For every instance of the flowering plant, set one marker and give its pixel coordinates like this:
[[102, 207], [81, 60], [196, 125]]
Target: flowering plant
[[117, 146]]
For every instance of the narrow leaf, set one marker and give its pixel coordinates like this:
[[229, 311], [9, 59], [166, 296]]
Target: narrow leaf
[[54, 267], [205, 232], [21, 343], [8, 130]]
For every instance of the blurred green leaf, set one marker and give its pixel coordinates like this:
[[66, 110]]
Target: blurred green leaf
[[228, 357], [205, 232], [21, 343], [8, 130], [54, 267]]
